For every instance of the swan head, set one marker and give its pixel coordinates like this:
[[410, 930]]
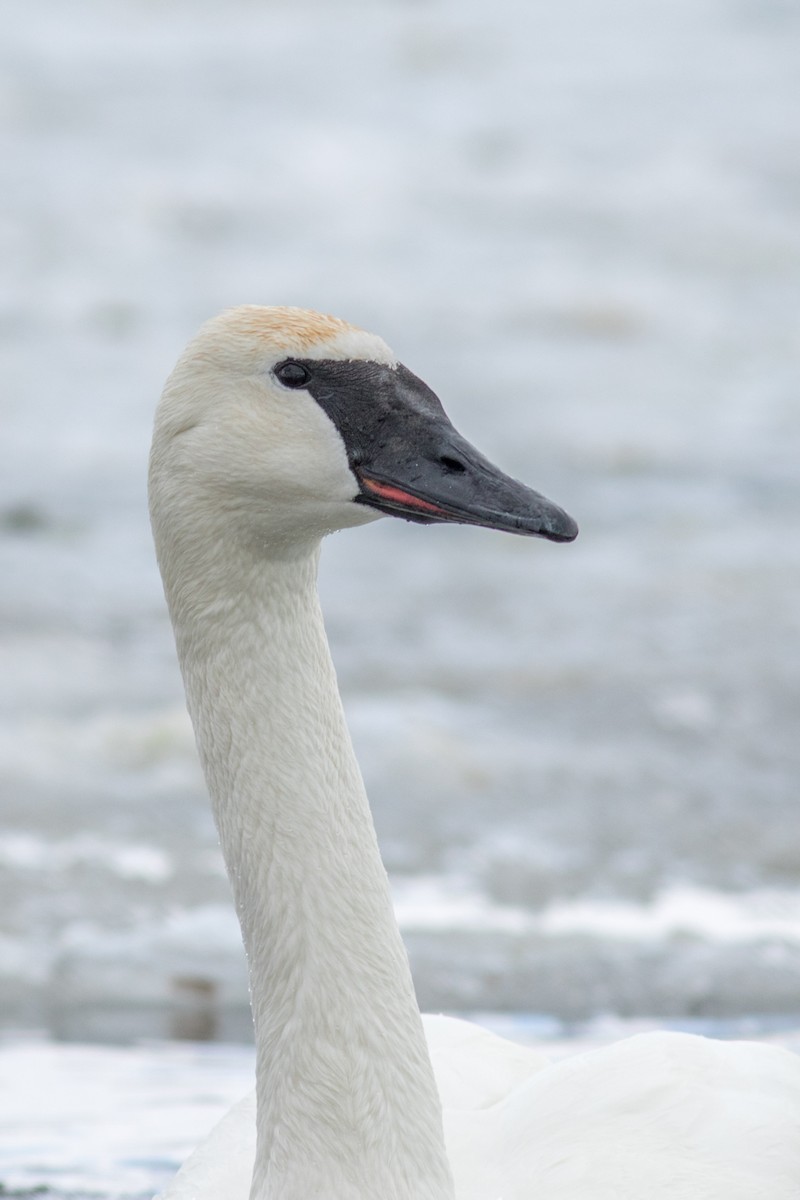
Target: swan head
[[287, 424]]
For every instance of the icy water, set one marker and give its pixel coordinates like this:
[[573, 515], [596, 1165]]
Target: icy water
[[579, 223]]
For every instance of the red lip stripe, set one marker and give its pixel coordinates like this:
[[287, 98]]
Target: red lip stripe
[[388, 492]]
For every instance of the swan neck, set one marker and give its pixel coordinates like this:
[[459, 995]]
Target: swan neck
[[347, 1104]]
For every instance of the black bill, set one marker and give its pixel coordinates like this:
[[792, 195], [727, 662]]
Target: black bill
[[411, 462]]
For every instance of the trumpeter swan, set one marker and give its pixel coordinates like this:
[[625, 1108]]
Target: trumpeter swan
[[277, 427]]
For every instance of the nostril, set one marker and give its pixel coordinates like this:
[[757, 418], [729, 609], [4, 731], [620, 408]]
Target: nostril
[[452, 464]]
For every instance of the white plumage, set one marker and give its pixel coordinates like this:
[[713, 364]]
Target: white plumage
[[248, 473]]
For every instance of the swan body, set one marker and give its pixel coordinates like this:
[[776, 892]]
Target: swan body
[[657, 1115], [277, 427]]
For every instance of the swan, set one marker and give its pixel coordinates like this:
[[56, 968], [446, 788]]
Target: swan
[[277, 427]]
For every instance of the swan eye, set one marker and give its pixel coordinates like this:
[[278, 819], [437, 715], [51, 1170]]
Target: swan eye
[[292, 374]]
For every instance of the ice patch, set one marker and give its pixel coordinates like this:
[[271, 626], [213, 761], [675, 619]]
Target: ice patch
[[438, 903], [682, 911], [134, 861]]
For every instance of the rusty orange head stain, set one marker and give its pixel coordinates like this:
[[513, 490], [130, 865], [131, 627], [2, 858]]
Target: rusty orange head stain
[[299, 328]]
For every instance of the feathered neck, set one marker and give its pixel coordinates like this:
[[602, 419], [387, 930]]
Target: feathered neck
[[347, 1104]]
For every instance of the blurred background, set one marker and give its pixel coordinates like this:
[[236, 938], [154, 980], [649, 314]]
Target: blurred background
[[578, 222]]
